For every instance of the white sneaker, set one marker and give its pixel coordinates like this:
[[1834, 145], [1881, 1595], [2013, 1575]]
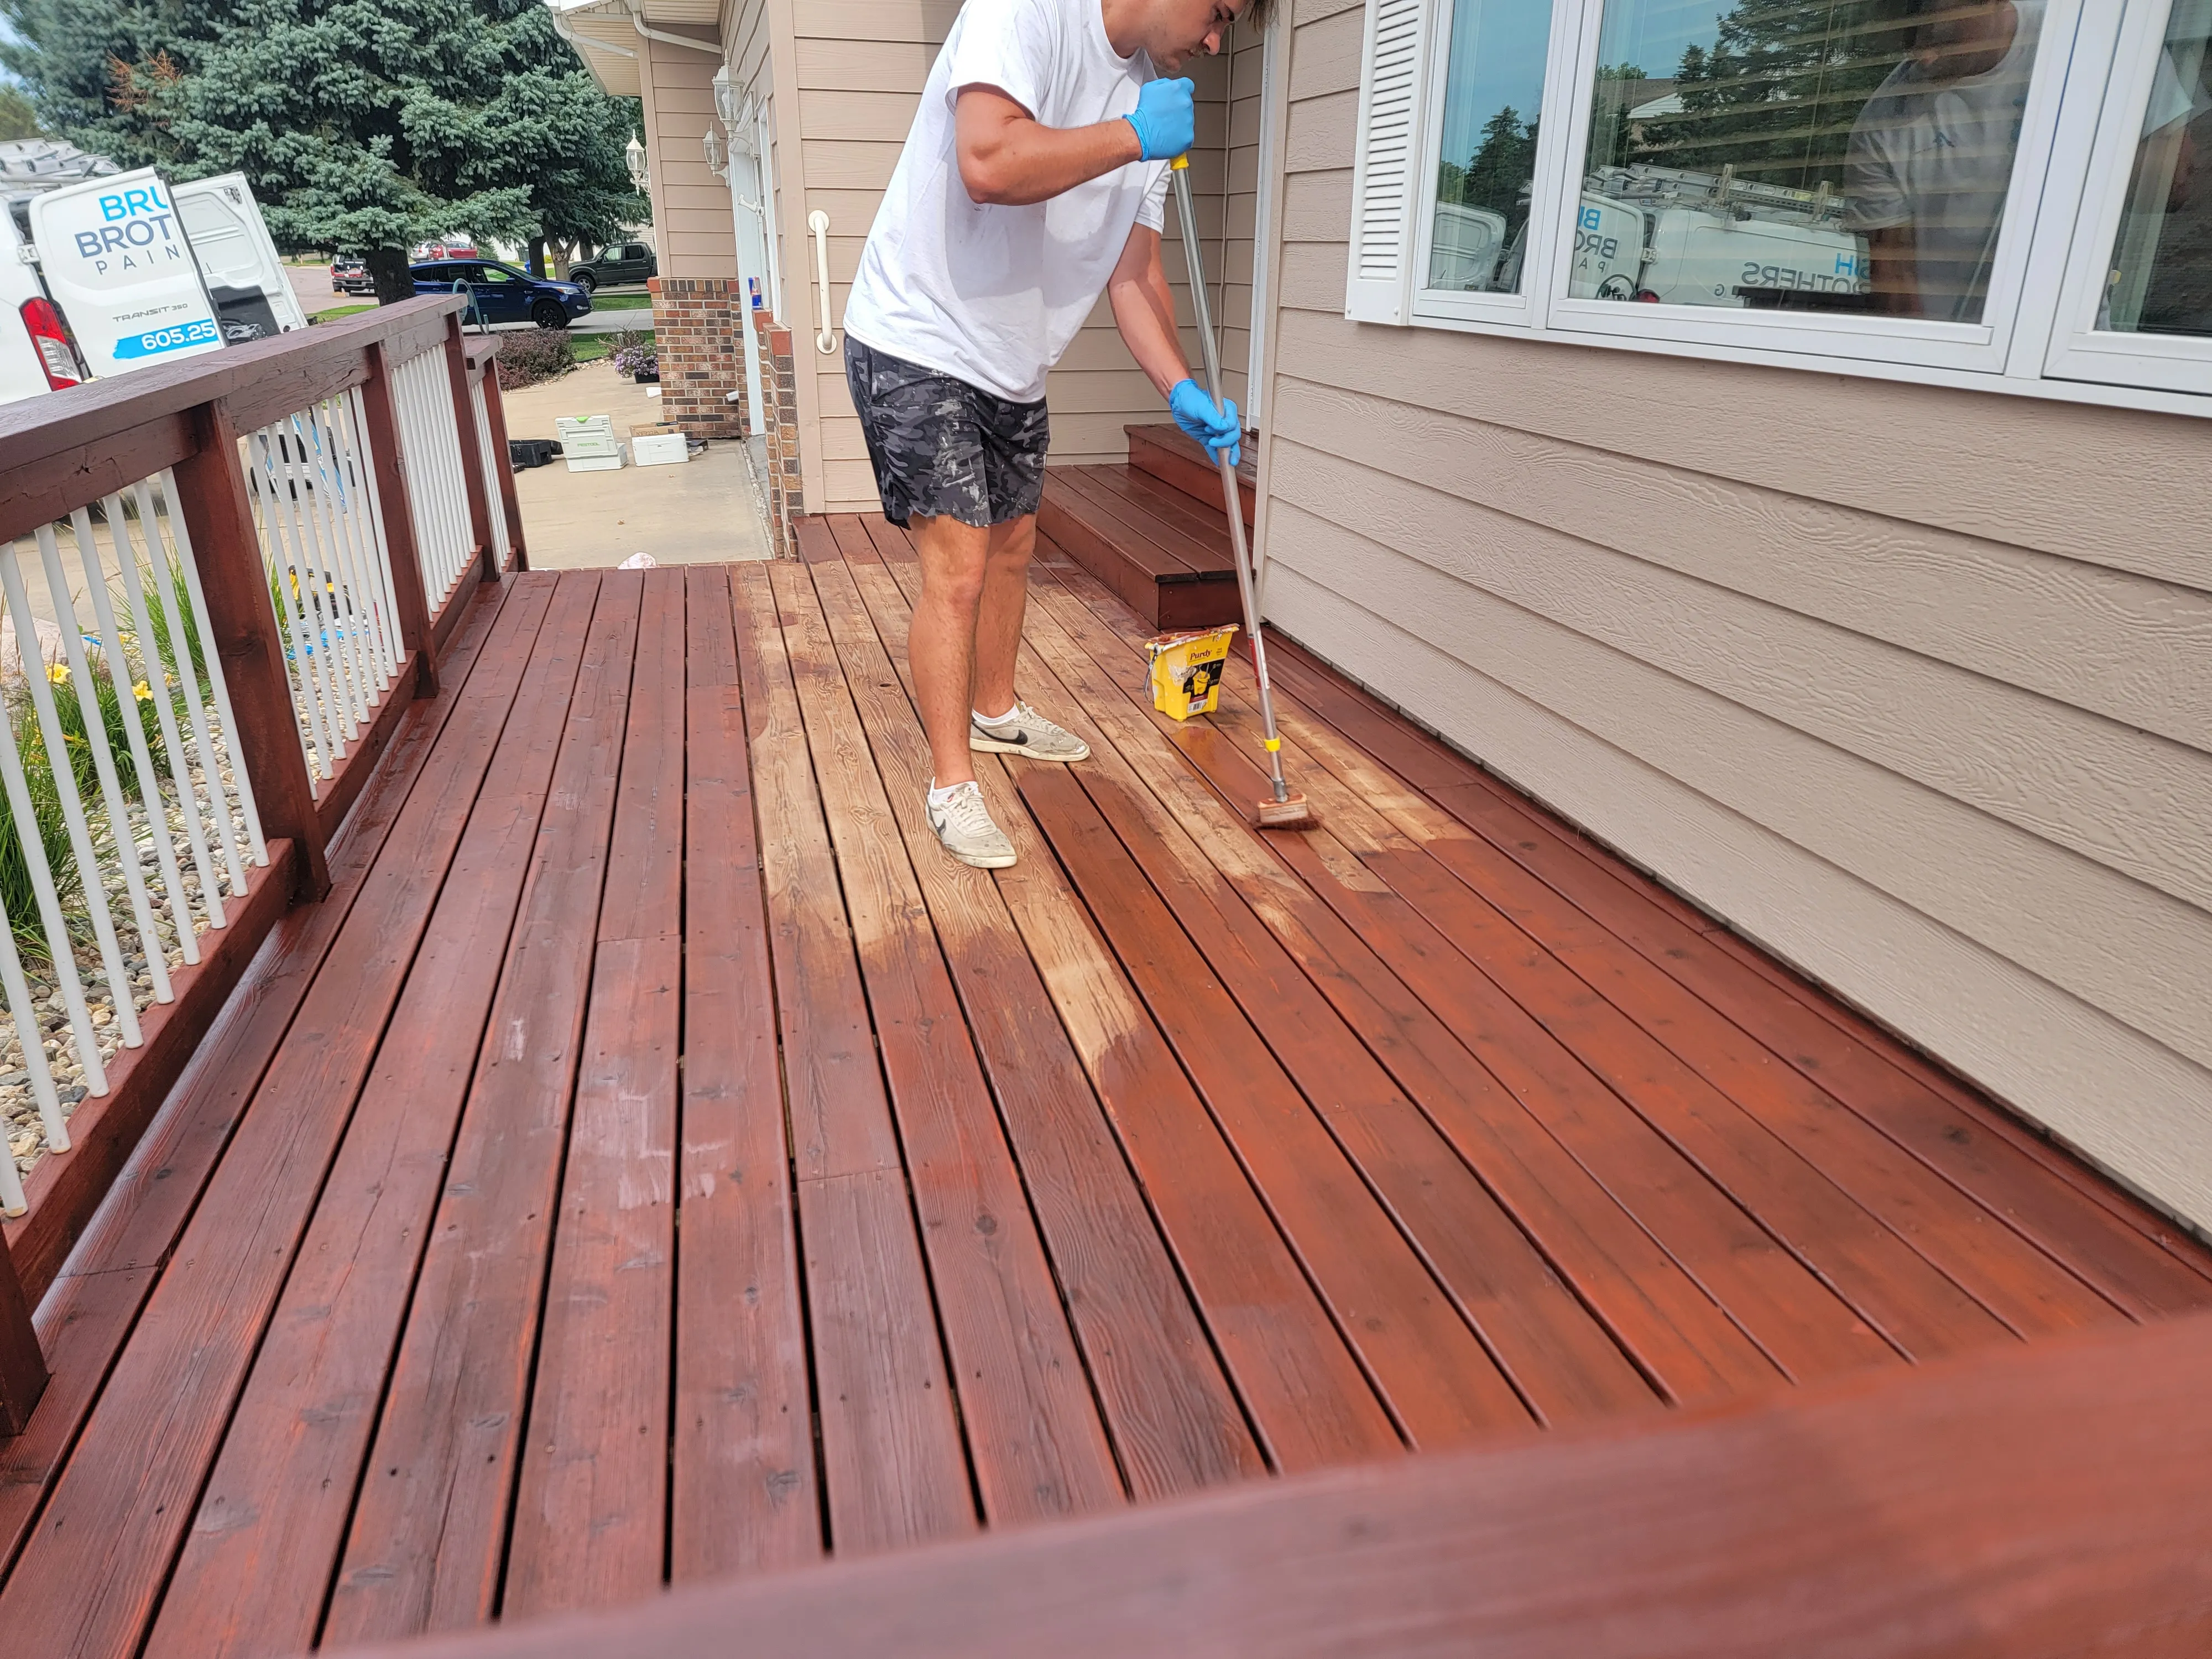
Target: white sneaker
[[963, 824], [1026, 732]]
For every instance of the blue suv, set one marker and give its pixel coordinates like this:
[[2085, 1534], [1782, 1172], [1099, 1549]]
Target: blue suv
[[500, 293]]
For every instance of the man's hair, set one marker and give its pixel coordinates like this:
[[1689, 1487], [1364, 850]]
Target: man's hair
[[1255, 15]]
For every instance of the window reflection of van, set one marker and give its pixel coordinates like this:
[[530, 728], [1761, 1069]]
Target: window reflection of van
[[1465, 253], [1700, 257], [1608, 257], [1710, 239]]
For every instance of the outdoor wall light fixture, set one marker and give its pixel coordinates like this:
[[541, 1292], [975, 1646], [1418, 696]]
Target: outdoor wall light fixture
[[634, 158], [718, 152]]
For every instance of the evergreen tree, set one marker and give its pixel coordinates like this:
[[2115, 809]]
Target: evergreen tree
[[363, 126], [17, 118], [1496, 177], [1777, 94]]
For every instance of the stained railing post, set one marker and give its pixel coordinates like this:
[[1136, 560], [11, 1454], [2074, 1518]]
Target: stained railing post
[[22, 1367], [390, 459], [510, 503], [227, 548], [456, 371]]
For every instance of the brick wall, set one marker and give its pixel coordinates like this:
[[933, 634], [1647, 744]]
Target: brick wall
[[787, 501], [699, 323]]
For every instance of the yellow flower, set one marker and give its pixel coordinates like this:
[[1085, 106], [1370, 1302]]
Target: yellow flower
[[57, 672], [143, 691]]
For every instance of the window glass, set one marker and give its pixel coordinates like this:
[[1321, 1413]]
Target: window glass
[[496, 276], [2160, 281], [1494, 94], [1836, 155]]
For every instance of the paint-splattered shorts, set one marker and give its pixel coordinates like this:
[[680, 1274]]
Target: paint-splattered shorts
[[940, 445]]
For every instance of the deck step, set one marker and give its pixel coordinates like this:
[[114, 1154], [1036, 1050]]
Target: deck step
[[1162, 553], [1162, 450]]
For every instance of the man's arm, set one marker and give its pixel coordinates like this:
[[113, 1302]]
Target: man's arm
[[1896, 273], [1144, 310], [1009, 159]]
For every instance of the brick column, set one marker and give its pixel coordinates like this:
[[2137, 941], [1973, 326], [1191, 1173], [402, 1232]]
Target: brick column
[[698, 323], [787, 501]]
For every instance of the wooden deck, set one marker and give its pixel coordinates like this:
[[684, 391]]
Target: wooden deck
[[655, 1160]]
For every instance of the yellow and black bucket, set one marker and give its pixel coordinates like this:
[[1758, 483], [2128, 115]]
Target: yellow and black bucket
[[1187, 670]]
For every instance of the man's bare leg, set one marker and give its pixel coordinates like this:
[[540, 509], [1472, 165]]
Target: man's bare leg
[[941, 639], [998, 618]]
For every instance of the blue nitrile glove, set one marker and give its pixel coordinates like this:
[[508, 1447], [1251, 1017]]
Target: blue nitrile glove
[[1166, 124], [1195, 413]]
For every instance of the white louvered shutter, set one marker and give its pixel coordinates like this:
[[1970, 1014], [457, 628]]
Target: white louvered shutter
[[1387, 161]]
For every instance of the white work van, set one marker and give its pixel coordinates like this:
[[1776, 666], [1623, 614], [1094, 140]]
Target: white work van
[[1679, 238], [1468, 243], [119, 271]]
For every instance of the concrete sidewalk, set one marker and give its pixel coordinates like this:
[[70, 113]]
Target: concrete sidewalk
[[701, 511]]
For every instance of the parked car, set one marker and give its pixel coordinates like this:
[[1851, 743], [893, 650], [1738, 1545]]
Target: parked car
[[629, 262], [500, 294], [350, 274], [450, 247]]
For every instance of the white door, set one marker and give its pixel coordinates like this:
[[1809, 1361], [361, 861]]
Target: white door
[[747, 203], [233, 248], [117, 262]]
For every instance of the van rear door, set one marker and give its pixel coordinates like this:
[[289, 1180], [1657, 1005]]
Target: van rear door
[[34, 352], [116, 261], [253, 293]]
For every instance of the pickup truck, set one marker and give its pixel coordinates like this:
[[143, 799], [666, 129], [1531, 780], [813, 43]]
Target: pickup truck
[[625, 262]]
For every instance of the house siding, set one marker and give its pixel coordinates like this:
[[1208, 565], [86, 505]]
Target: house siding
[[1912, 685]]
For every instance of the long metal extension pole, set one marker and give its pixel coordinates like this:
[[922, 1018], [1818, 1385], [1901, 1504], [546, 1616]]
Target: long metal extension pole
[[1179, 170]]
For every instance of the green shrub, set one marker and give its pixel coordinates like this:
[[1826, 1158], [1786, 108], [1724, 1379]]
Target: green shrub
[[542, 354]]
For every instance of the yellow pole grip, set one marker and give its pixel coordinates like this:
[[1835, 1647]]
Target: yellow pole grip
[[1273, 744], [1180, 162]]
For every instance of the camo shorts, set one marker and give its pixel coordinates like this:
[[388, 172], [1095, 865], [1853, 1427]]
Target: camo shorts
[[940, 445]]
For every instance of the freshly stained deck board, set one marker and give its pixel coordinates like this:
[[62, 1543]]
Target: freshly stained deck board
[[1800, 1324], [1431, 1370], [138, 1464], [270, 1523], [817, 1052], [1173, 1420], [744, 1495], [895, 1471], [1305, 1395], [1035, 1438], [1672, 1330], [2127, 1255], [590, 1509], [429, 1525], [88, 1312]]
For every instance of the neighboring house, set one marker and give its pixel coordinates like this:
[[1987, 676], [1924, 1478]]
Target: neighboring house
[[1800, 486], [806, 103]]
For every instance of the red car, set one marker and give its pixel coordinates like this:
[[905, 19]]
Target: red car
[[350, 274]]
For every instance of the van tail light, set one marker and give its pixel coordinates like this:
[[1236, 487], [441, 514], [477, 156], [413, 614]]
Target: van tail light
[[56, 356]]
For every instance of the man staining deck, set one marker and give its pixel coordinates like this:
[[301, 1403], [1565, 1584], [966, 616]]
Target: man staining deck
[[1034, 179]]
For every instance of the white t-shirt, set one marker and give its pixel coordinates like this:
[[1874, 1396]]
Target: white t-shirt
[[992, 295], [1937, 155]]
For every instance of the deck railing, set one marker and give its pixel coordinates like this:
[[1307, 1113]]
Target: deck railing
[[224, 578]]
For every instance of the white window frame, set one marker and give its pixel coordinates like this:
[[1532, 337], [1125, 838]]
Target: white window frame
[[2078, 349], [2076, 147], [1511, 310]]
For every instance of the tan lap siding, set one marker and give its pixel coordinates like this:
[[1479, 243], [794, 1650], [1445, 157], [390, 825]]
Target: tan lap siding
[[1913, 686]]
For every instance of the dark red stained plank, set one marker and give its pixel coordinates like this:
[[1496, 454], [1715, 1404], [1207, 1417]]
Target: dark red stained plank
[[852, 537], [591, 1509], [894, 1469], [424, 1549], [1800, 1324], [90, 1311], [138, 1467], [744, 1496], [1440, 1384], [2139, 1258], [1675, 1333], [1173, 1416], [1035, 1436], [890, 540], [1307, 1399], [2041, 1505], [257, 1564], [815, 542]]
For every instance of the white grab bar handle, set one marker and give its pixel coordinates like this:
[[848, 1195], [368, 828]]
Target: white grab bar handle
[[825, 336]]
